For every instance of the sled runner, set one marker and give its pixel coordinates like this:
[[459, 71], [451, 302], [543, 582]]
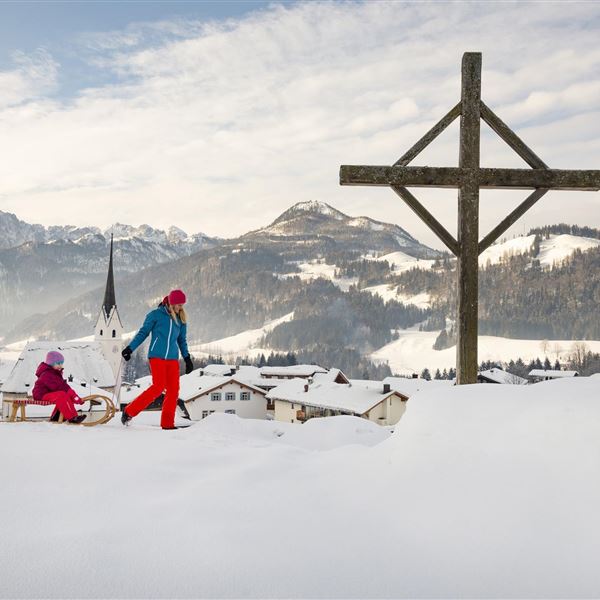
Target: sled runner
[[96, 408]]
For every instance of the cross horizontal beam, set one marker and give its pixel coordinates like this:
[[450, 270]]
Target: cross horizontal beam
[[454, 177]]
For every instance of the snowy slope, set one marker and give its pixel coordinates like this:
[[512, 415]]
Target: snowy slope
[[559, 247], [480, 492], [413, 351], [400, 261], [503, 250], [315, 269], [240, 343], [552, 250]]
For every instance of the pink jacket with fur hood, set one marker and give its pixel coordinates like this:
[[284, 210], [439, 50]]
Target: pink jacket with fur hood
[[50, 380]]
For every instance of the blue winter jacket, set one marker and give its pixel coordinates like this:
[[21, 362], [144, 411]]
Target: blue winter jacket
[[168, 335]]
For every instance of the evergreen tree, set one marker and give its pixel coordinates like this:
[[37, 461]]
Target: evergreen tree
[[425, 374]]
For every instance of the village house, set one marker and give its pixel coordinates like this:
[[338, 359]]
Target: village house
[[537, 375], [291, 371], [204, 395], [298, 400], [409, 386], [266, 378], [496, 375]]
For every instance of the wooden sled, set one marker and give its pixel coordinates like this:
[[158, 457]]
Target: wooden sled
[[99, 410]]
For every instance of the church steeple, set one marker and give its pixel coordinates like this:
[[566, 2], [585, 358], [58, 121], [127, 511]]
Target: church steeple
[[109, 329], [109, 293]]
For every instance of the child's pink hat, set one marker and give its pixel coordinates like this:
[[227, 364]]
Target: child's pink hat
[[53, 357]]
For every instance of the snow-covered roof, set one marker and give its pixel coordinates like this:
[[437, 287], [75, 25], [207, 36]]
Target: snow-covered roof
[[193, 385], [552, 373], [500, 376], [6, 367], [356, 398], [292, 371], [132, 391], [247, 374], [218, 370], [408, 386], [85, 361], [332, 375]]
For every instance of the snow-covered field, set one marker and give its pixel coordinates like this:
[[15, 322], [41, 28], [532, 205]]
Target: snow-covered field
[[318, 268], [481, 491], [553, 250], [400, 261], [244, 342], [413, 351]]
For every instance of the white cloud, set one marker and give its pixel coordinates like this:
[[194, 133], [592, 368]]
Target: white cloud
[[32, 76], [212, 120]]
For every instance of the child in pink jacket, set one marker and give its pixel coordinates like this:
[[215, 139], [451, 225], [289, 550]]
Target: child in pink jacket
[[51, 387]]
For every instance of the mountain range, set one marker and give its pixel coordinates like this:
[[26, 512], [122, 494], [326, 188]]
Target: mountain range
[[350, 282]]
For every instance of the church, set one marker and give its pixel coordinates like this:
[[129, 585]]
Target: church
[[108, 332]]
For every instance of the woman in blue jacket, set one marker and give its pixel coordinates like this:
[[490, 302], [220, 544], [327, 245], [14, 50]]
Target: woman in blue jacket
[[167, 326]]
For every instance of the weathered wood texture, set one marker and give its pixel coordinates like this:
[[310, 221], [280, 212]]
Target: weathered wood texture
[[468, 220], [453, 177]]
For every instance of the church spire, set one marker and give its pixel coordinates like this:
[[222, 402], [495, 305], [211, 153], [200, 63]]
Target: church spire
[[109, 294]]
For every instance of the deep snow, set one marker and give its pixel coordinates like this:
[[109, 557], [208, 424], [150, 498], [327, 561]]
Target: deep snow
[[481, 491]]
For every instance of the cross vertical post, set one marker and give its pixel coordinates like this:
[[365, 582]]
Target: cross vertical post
[[468, 220]]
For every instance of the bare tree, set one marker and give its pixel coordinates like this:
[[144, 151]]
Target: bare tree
[[557, 350], [545, 347], [577, 356]]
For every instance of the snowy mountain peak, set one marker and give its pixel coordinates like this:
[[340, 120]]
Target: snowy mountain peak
[[316, 206], [318, 222]]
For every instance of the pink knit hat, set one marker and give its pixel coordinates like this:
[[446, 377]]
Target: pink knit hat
[[53, 357], [176, 297]]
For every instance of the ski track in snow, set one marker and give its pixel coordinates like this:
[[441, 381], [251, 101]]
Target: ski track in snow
[[481, 491]]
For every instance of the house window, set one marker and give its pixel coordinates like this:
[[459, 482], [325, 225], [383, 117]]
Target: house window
[[215, 396], [101, 332], [244, 395], [230, 396], [230, 412], [292, 409], [114, 333], [204, 414]]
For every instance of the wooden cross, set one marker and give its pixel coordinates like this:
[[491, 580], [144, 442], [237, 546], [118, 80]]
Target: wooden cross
[[469, 178]]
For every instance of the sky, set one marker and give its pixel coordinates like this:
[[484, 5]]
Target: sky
[[191, 113]]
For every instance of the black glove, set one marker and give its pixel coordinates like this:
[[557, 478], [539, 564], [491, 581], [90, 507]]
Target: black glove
[[126, 354], [189, 365]]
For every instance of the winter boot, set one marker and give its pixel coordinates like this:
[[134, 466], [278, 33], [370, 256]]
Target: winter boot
[[55, 416], [125, 418], [78, 419]]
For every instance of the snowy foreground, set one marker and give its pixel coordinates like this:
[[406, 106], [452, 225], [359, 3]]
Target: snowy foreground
[[481, 491]]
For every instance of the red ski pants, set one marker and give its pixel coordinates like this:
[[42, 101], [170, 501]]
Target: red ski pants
[[64, 403], [165, 376]]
